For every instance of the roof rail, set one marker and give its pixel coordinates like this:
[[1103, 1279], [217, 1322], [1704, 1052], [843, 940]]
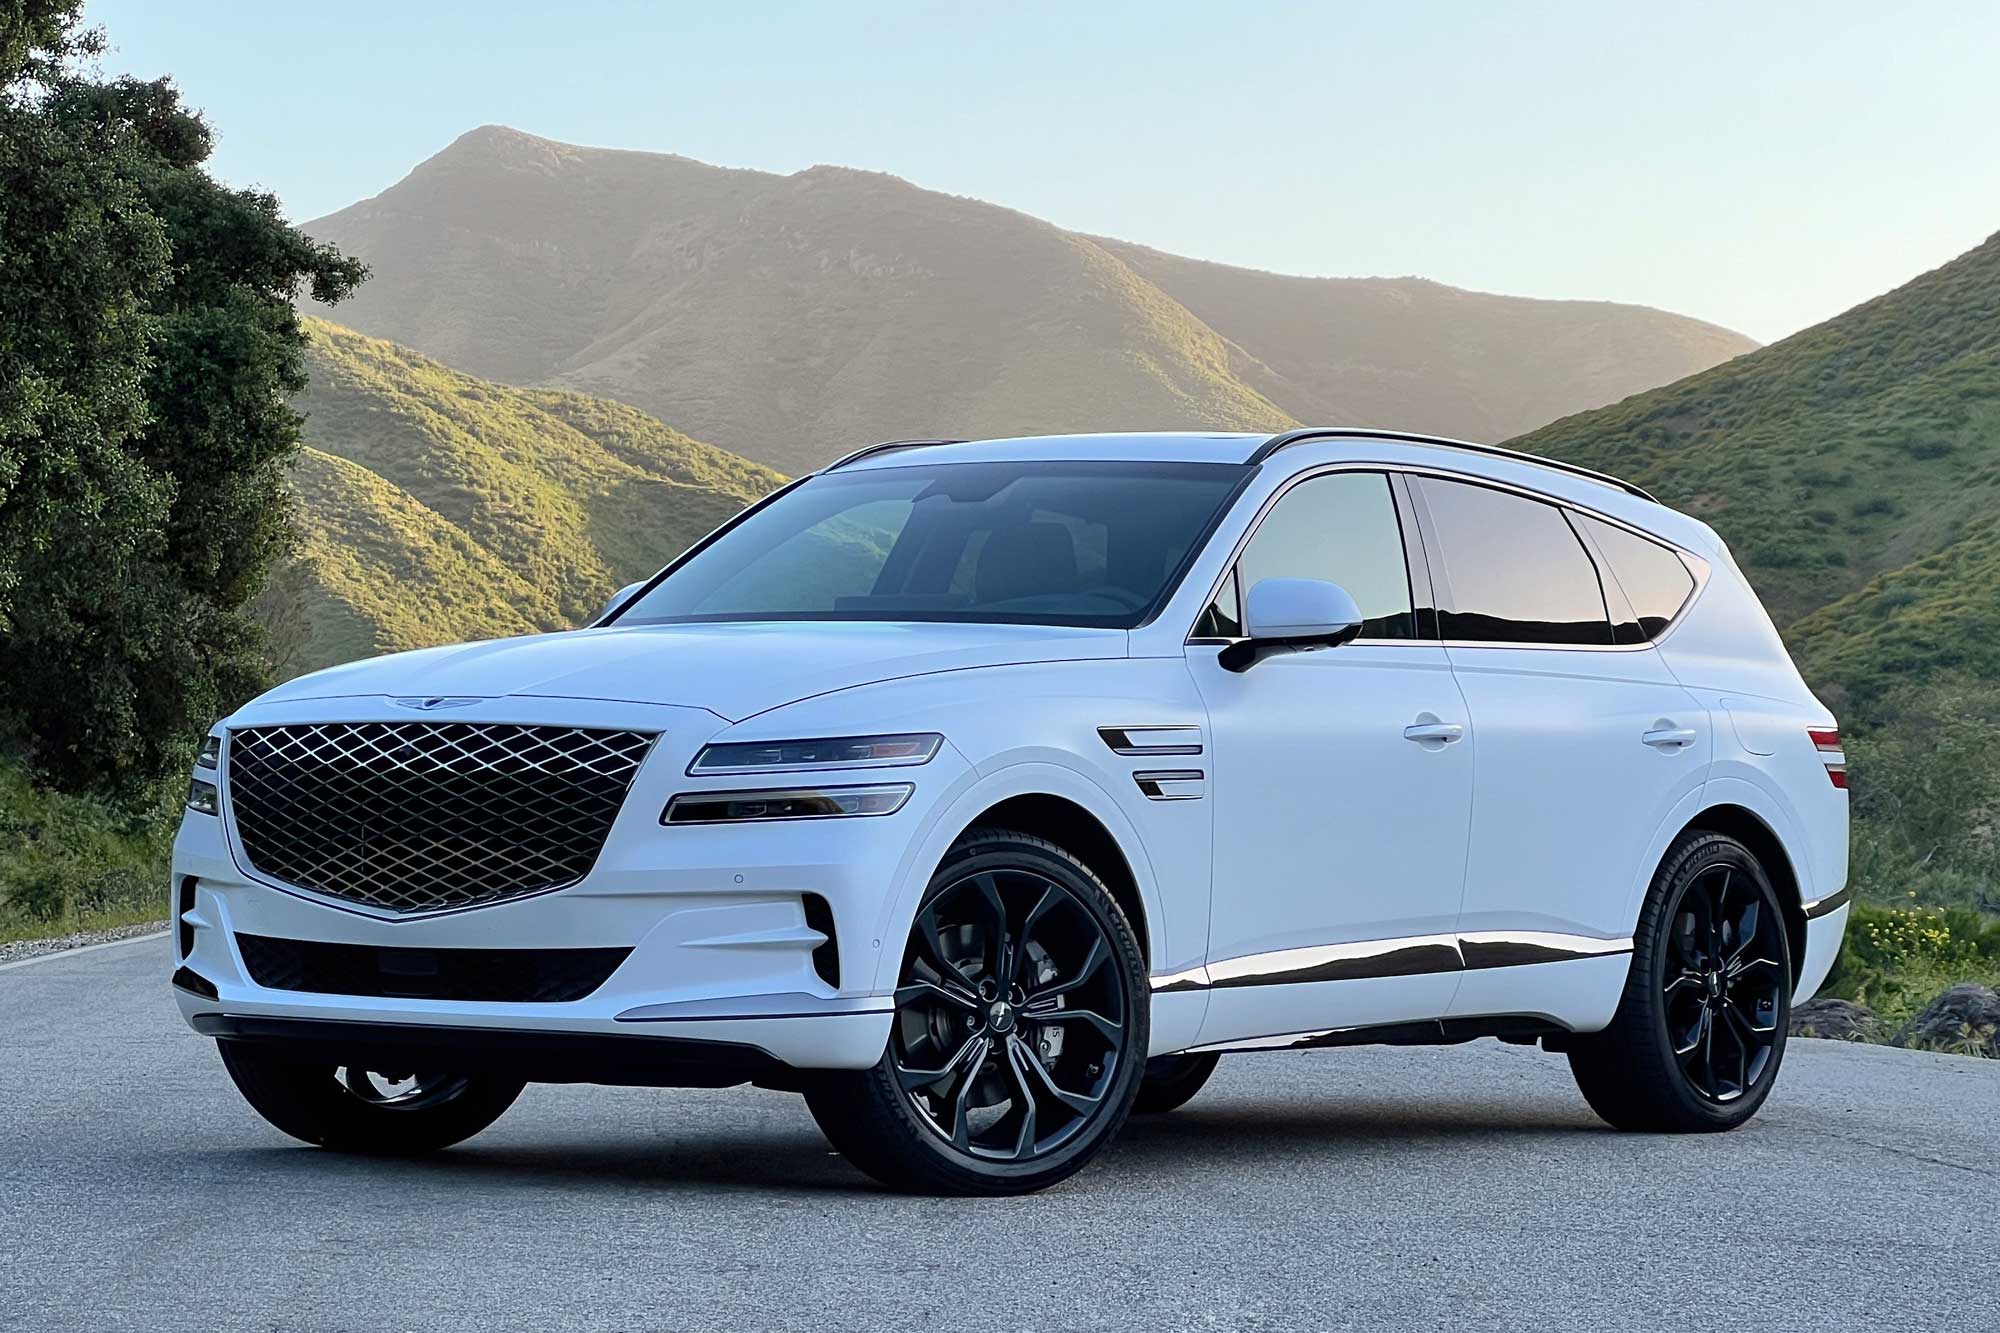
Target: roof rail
[[882, 448], [1291, 437]]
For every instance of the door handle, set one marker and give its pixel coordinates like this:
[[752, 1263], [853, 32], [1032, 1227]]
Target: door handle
[[1442, 732], [1669, 738]]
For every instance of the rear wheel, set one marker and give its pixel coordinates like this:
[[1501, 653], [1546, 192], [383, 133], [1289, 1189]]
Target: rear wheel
[[1700, 1031], [1019, 1035], [357, 1110], [1171, 1080]]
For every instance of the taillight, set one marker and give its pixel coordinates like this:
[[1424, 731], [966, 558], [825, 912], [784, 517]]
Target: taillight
[[1827, 741]]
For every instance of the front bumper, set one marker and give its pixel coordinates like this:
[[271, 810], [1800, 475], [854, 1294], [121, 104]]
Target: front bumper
[[722, 955], [536, 1057]]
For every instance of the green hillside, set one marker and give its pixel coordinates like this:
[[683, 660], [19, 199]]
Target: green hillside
[[788, 318], [437, 507], [1853, 451]]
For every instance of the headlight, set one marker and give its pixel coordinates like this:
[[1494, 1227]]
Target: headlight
[[211, 752], [202, 798], [799, 756], [743, 807]]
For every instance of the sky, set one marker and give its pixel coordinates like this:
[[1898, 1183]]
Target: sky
[[1764, 166]]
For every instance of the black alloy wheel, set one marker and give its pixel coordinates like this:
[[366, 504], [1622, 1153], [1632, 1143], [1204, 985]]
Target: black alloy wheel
[[1700, 1030], [1725, 976], [1019, 1031], [1010, 1022]]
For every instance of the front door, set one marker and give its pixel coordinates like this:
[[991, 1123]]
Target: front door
[[1342, 785]]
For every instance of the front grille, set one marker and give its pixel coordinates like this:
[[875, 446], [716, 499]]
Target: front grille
[[425, 816], [521, 976]]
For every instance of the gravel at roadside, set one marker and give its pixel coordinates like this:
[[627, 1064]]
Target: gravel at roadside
[[14, 951]]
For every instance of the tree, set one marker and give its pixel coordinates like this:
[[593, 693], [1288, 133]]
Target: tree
[[148, 348]]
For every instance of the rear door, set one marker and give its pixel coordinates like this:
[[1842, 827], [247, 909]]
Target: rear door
[[1582, 745]]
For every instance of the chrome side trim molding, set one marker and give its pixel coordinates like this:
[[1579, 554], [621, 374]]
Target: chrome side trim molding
[[1151, 741], [1181, 784], [1521, 1029], [1518, 948], [1194, 978], [1407, 957], [1830, 904]]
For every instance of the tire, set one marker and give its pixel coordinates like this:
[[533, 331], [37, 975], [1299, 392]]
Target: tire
[[318, 1103], [1171, 1080], [1007, 1069], [1700, 1030]]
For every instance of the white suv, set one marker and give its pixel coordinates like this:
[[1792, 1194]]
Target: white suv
[[985, 792]]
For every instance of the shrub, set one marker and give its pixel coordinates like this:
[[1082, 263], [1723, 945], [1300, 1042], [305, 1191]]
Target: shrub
[[1895, 960]]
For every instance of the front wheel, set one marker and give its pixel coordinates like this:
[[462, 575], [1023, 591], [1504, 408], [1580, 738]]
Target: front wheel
[[1019, 1035], [1700, 1031], [350, 1109]]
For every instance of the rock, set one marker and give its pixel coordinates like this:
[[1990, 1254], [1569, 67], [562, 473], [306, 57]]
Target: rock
[[1965, 1020], [1837, 1020]]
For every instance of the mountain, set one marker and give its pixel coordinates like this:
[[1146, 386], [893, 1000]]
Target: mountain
[[1417, 355], [1854, 469], [437, 507], [788, 318]]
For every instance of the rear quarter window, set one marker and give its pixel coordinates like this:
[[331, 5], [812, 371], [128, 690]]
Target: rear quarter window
[[1654, 579]]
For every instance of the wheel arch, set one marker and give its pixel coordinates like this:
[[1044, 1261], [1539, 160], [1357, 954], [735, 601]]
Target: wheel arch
[[1075, 829], [1749, 828], [1051, 801]]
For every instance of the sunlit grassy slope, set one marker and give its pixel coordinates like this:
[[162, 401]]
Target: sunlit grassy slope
[[437, 507]]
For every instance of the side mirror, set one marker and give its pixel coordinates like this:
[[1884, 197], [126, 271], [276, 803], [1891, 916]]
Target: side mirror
[[617, 599], [1291, 613]]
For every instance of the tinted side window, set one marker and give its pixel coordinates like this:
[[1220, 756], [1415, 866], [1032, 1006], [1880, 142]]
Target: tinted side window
[[1513, 570], [1652, 577], [1341, 527]]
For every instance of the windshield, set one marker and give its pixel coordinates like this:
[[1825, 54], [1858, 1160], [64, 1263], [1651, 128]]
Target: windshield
[[1047, 543]]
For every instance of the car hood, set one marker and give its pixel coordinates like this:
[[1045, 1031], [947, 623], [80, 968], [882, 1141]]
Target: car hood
[[732, 670]]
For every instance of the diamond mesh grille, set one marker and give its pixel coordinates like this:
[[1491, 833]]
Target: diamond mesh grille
[[422, 816]]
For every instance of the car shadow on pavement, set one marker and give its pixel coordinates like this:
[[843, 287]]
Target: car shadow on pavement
[[787, 1161], [775, 1161], [1245, 1129]]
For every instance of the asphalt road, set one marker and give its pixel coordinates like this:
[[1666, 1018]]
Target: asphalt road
[[1464, 1187]]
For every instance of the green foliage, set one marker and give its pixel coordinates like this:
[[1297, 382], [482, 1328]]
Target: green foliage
[[38, 36], [146, 357], [72, 860], [434, 507], [1896, 960], [1937, 614], [1926, 795]]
